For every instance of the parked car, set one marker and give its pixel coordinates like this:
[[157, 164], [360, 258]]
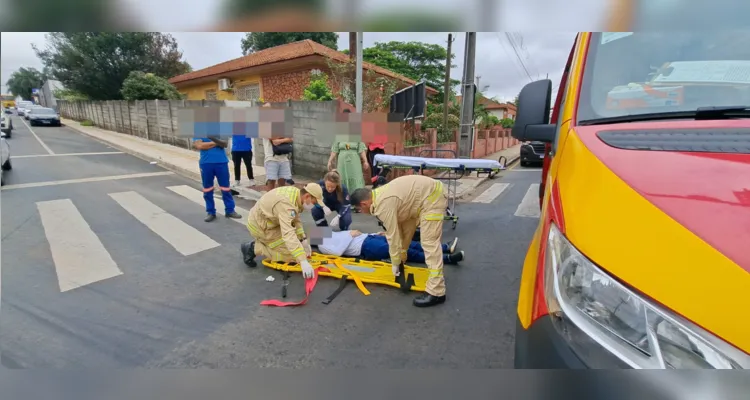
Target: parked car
[[21, 107], [43, 116], [532, 153], [5, 164], [6, 125], [29, 110]]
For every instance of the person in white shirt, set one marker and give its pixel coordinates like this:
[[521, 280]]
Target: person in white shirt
[[374, 247], [278, 167]]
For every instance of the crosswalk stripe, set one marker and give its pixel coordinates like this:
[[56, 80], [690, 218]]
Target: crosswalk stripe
[[79, 256], [196, 196], [529, 206], [183, 237], [491, 193]]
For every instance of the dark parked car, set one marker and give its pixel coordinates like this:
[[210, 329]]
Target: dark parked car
[[44, 116], [532, 153]]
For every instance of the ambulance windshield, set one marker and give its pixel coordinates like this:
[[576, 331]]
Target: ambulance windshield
[[637, 73]]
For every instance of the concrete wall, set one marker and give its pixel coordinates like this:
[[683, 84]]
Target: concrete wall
[[157, 120], [150, 119], [311, 148]]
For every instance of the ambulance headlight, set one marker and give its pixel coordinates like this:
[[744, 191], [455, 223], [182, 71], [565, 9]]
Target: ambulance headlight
[[610, 326]]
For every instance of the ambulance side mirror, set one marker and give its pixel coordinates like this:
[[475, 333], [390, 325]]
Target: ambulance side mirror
[[532, 116]]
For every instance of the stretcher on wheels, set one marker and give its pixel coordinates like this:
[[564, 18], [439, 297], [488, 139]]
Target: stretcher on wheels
[[350, 269], [452, 170]]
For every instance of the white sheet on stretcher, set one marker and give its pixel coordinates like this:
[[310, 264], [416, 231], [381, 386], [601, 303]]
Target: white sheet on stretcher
[[406, 161]]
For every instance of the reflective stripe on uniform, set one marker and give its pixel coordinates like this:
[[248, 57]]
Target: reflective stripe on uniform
[[209, 189], [435, 273], [437, 190], [290, 192], [276, 243], [432, 217], [298, 252], [376, 192]]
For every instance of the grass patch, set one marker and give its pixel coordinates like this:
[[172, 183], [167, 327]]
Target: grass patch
[[87, 122]]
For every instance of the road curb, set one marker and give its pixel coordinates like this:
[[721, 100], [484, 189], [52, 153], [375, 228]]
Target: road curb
[[191, 174]]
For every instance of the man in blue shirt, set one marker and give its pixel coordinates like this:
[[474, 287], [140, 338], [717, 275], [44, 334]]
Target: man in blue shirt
[[242, 150], [214, 164]]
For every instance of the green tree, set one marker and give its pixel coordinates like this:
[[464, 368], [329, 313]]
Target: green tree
[[95, 64], [147, 86], [415, 60], [515, 101], [22, 81], [318, 89], [69, 95], [376, 90], [257, 41]]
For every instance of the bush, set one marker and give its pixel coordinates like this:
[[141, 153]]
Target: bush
[[87, 122], [489, 121], [318, 89], [507, 123], [147, 86]]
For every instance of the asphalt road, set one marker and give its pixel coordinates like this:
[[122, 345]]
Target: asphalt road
[[86, 283]]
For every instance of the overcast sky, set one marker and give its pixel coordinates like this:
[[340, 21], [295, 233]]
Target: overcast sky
[[497, 64]]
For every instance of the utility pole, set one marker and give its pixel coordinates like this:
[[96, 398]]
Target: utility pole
[[466, 143], [359, 74], [447, 87], [352, 56]]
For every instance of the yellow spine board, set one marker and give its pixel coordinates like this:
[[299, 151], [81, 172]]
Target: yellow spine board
[[360, 272]]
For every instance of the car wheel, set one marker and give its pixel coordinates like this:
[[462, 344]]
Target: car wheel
[[7, 166]]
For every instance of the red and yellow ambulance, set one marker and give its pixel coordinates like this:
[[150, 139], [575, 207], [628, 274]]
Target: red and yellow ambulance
[[642, 254]]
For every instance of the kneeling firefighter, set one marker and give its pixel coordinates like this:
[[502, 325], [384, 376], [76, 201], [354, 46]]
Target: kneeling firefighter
[[401, 206], [274, 222]]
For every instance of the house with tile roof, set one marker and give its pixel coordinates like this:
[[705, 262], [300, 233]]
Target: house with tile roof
[[500, 110], [275, 74]]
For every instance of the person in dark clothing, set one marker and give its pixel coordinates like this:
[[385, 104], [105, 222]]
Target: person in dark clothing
[[242, 150], [374, 247], [335, 198]]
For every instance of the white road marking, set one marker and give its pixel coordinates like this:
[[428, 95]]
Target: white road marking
[[183, 237], [80, 257], [491, 193], [85, 180], [196, 196], [529, 206], [69, 154], [37, 137]]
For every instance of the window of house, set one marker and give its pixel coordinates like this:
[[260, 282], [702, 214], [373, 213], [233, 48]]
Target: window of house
[[211, 94], [249, 92]]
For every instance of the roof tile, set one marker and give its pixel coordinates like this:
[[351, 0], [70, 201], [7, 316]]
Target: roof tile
[[284, 52]]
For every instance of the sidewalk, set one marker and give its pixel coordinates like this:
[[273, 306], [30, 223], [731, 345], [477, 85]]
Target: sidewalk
[[179, 160], [185, 162]]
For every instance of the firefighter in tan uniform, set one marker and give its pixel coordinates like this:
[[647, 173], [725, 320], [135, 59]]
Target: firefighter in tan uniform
[[401, 206], [274, 222]]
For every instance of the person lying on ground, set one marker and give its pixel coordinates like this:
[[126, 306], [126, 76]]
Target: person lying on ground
[[374, 247]]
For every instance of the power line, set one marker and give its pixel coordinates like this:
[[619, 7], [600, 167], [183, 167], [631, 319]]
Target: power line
[[515, 64], [512, 45]]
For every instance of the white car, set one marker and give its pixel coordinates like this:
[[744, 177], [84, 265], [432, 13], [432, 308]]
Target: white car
[[4, 158], [28, 110], [6, 125]]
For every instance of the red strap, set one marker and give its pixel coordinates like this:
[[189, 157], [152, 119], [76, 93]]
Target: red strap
[[309, 286]]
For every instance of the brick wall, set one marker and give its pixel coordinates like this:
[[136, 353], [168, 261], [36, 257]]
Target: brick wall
[[282, 87]]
